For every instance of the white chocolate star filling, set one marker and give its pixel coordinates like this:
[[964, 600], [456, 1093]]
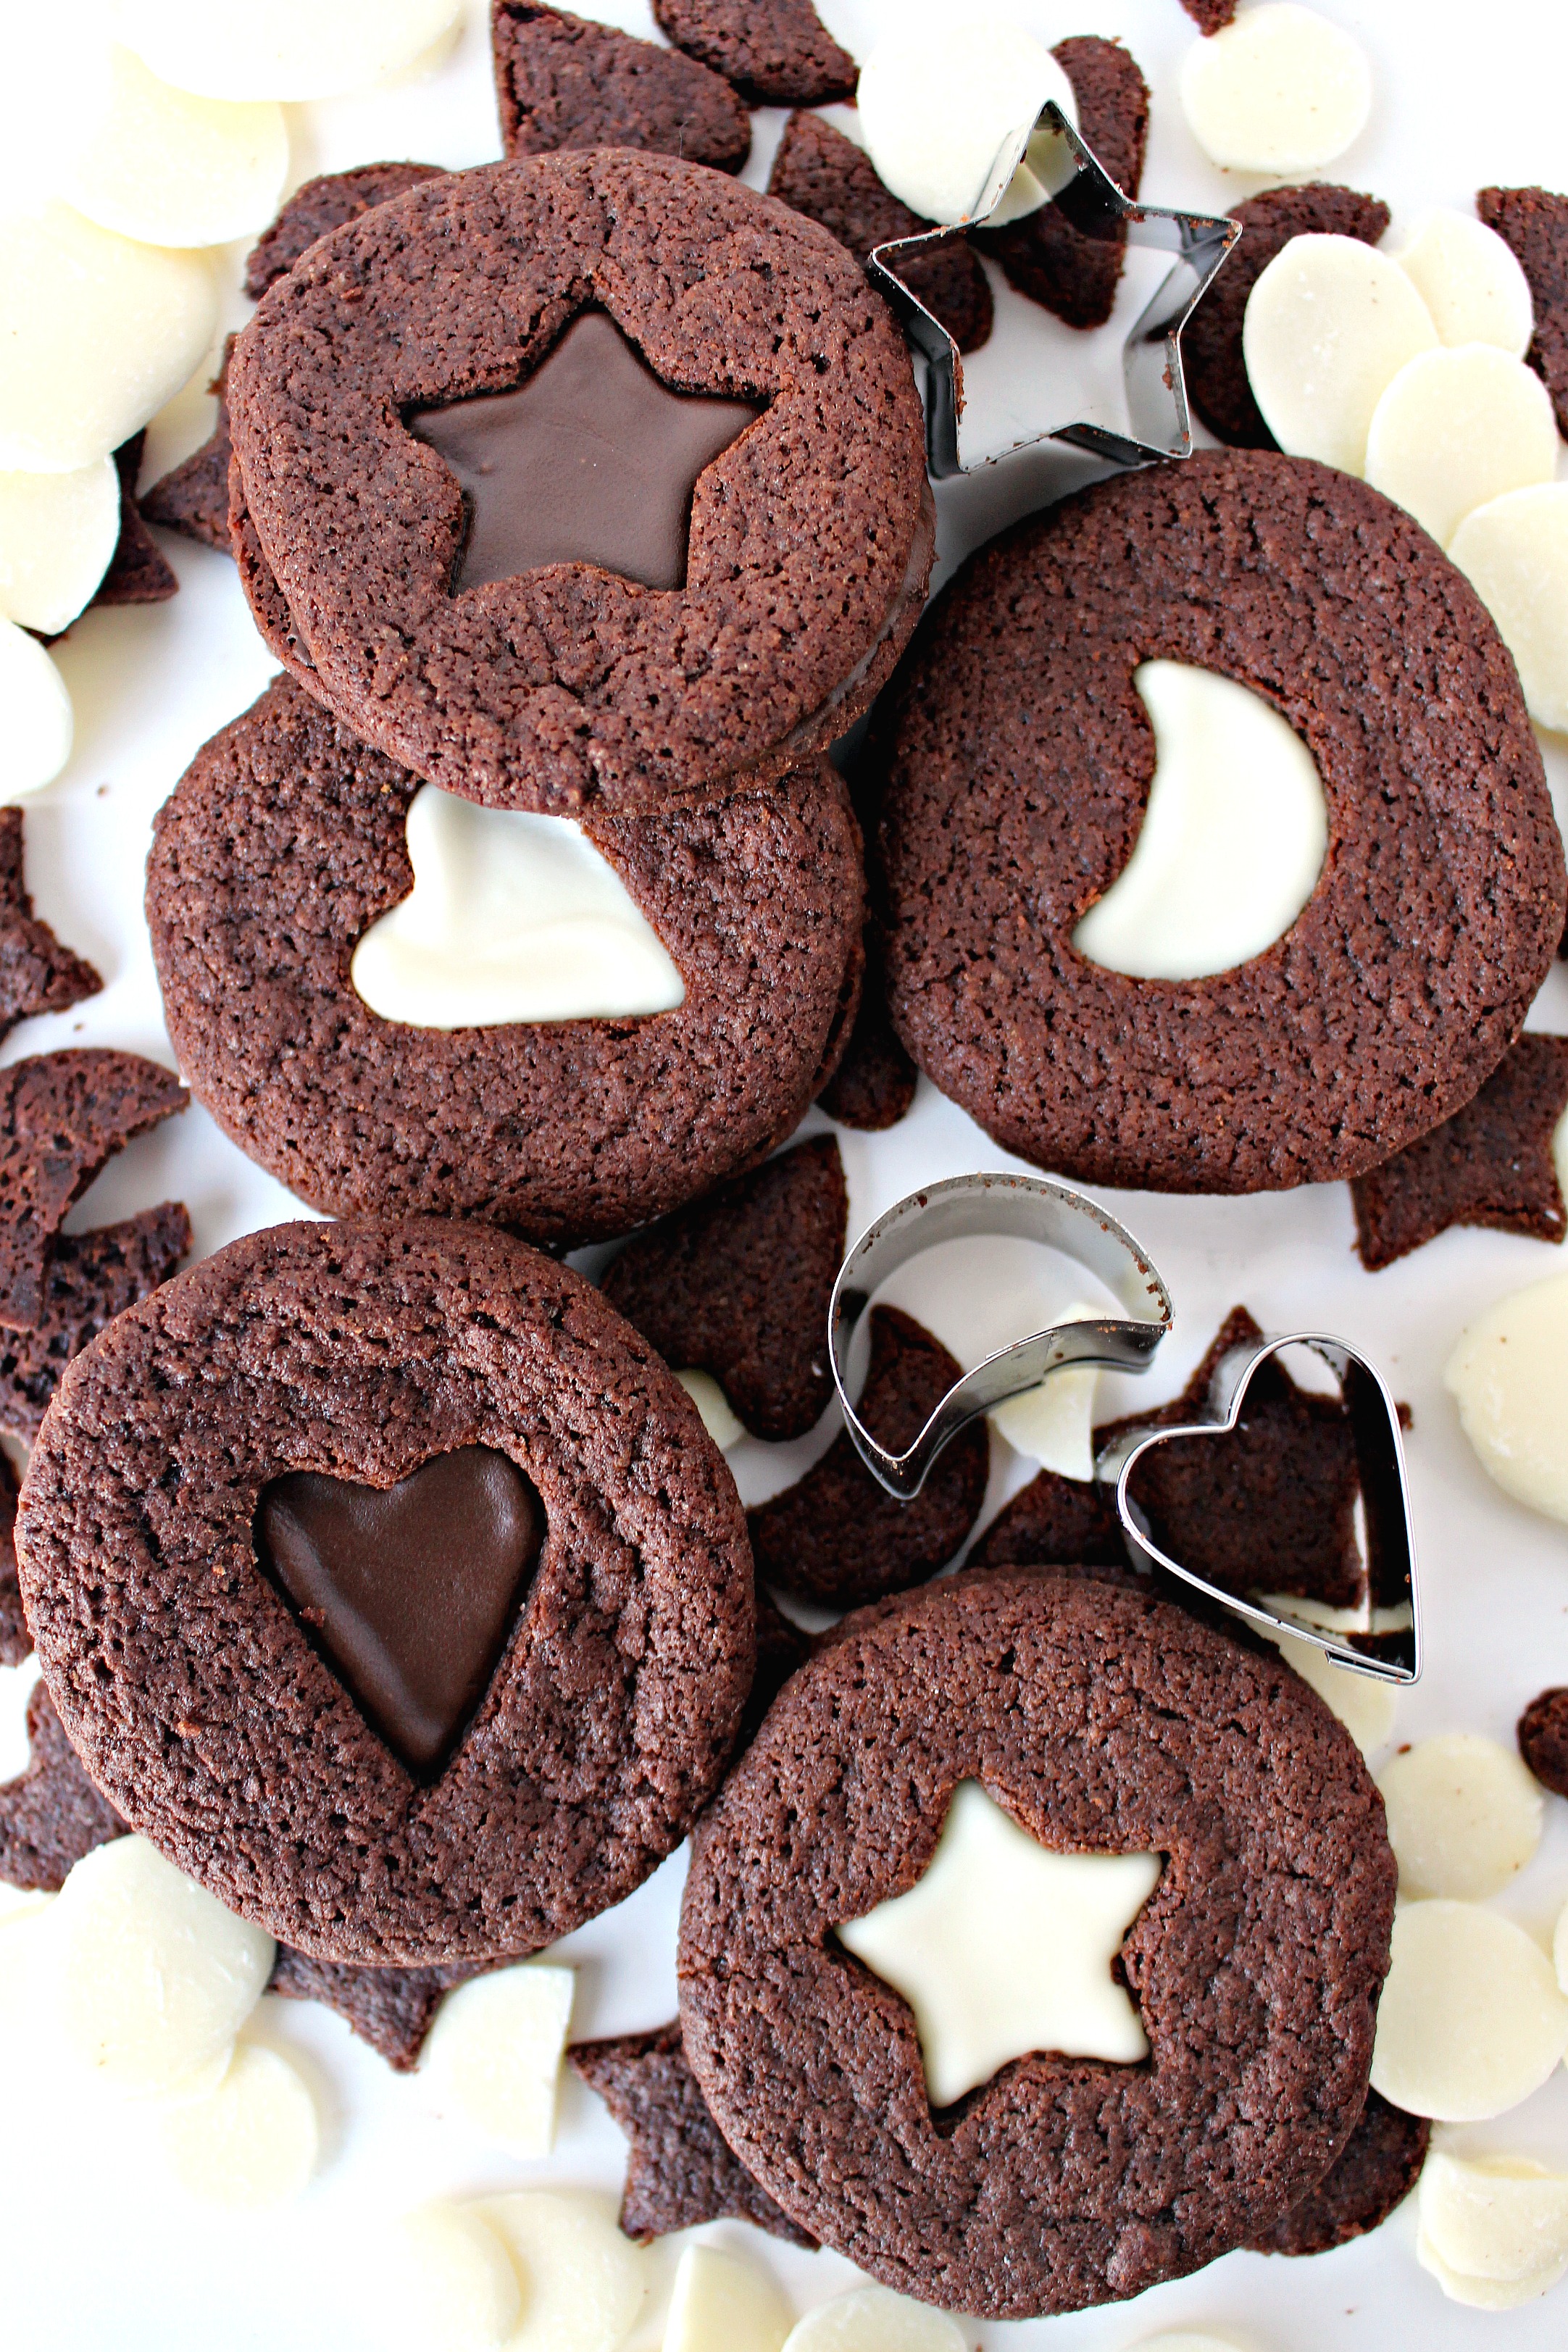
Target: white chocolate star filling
[[1004, 1947]]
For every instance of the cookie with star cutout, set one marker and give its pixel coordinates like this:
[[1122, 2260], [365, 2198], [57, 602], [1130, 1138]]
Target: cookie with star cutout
[[954, 1779]]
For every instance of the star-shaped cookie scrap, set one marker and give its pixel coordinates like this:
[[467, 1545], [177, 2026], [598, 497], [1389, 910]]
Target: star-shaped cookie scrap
[[1493, 1163], [391, 2009], [36, 974], [679, 2172], [51, 1815]]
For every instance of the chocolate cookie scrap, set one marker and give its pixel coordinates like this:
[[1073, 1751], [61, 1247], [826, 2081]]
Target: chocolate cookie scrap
[[37, 974], [1490, 1164], [1211, 343], [1372, 2175], [322, 205], [562, 81], [391, 2009], [820, 173], [1533, 223], [837, 1538], [16, 1639], [680, 2173], [1210, 16], [874, 1084], [193, 498], [51, 1815], [738, 1286], [1543, 1740], [1044, 254], [137, 574], [774, 52], [90, 1279]]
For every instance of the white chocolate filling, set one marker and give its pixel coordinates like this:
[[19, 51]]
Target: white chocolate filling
[[1509, 1376], [57, 534], [1469, 281], [1329, 325], [158, 163], [289, 49], [1464, 1816], [1457, 428], [1280, 89], [1003, 1948], [494, 2053], [1514, 552], [512, 917], [1471, 2020], [874, 2319], [1233, 838], [36, 741], [722, 2302], [938, 98]]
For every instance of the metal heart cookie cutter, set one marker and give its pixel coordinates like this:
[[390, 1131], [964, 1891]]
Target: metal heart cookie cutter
[[1090, 201], [1382, 1639]]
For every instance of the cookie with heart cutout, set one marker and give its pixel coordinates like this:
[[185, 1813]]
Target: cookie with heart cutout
[[386, 1581], [868, 2018]]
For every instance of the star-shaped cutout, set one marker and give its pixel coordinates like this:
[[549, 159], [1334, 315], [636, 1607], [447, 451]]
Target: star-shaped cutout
[[1003, 1948], [593, 460]]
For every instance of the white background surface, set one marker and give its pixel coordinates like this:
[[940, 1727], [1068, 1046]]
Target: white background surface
[[97, 2250]]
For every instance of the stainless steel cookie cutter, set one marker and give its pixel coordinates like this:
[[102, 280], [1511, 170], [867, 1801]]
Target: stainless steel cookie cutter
[[1387, 1645], [1152, 360]]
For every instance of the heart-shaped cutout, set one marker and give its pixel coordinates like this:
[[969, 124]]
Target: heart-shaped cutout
[[407, 1591]]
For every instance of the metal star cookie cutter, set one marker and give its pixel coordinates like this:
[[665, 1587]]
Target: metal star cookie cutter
[[1160, 425]]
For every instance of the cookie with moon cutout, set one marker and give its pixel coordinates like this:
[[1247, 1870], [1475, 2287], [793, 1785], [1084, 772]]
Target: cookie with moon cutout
[[1261, 872], [1031, 1954], [519, 1023], [584, 543], [387, 1582]]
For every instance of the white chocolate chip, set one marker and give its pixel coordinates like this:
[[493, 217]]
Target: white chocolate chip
[[1054, 1425], [512, 917], [289, 50], [1470, 282], [1363, 1705], [873, 2319], [36, 741], [1494, 2216], [494, 2053], [1509, 1376], [583, 2284], [451, 2284], [1514, 552], [719, 1416], [1472, 2018], [723, 2304], [57, 533], [1003, 1947], [1560, 1949], [170, 168], [100, 332], [152, 1977], [1233, 837], [938, 98], [1329, 325], [250, 2142], [1484, 2293], [1456, 429], [1464, 1816], [1279, 90]]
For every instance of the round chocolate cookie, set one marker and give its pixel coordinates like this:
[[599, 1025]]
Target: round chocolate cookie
[[1017, 759], [586, 478], [387, 1581], [1101, 1720], [284, 842]]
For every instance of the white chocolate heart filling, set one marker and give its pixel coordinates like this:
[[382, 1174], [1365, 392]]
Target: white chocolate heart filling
[[938, 98], [512, 917], [1003, 1948], [1233, 838], [1280, 89]]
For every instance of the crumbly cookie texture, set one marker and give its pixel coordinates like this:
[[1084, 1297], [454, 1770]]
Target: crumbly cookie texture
[[1490, 1164], [1543, 1740], [776, 52], [565, 81], [1533, 222], [1373, 2175], [38, 973]]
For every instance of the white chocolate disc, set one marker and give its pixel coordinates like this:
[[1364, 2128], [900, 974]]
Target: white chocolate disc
[[451, 2282], [938, 98], [1279, 90], [1003, 1948], [1494, 2216], [100, 332], [160, 164], [1472, 2018], [494, 2053], [1329, 325], [1560, 1947], [1509, 1376], [874, 2319], [1470, 282], [1464, 1816], [36, 740], [1363, 1706], [289, 49], [1233, 838], [152, 1977], [723, 2304], [1514, 552], [583, 2284], [1457, 428], [57, 533], [250, 2142], [719, 1416], [1485, 2294], [512, 917], [1054, 1425]]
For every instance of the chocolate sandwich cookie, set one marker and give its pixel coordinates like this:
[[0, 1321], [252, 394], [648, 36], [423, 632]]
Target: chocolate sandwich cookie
[[648, 522], [1095, 1721], [388, 1581], [1016, 730], [564, 81], [287, 840]]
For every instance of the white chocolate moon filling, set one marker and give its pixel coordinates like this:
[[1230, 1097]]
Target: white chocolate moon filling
[[1003, 1948], [1232, 839], [512, 917]]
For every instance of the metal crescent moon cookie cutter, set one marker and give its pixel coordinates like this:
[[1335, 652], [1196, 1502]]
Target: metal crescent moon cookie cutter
[[1158, 418], [1387, 1645]]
